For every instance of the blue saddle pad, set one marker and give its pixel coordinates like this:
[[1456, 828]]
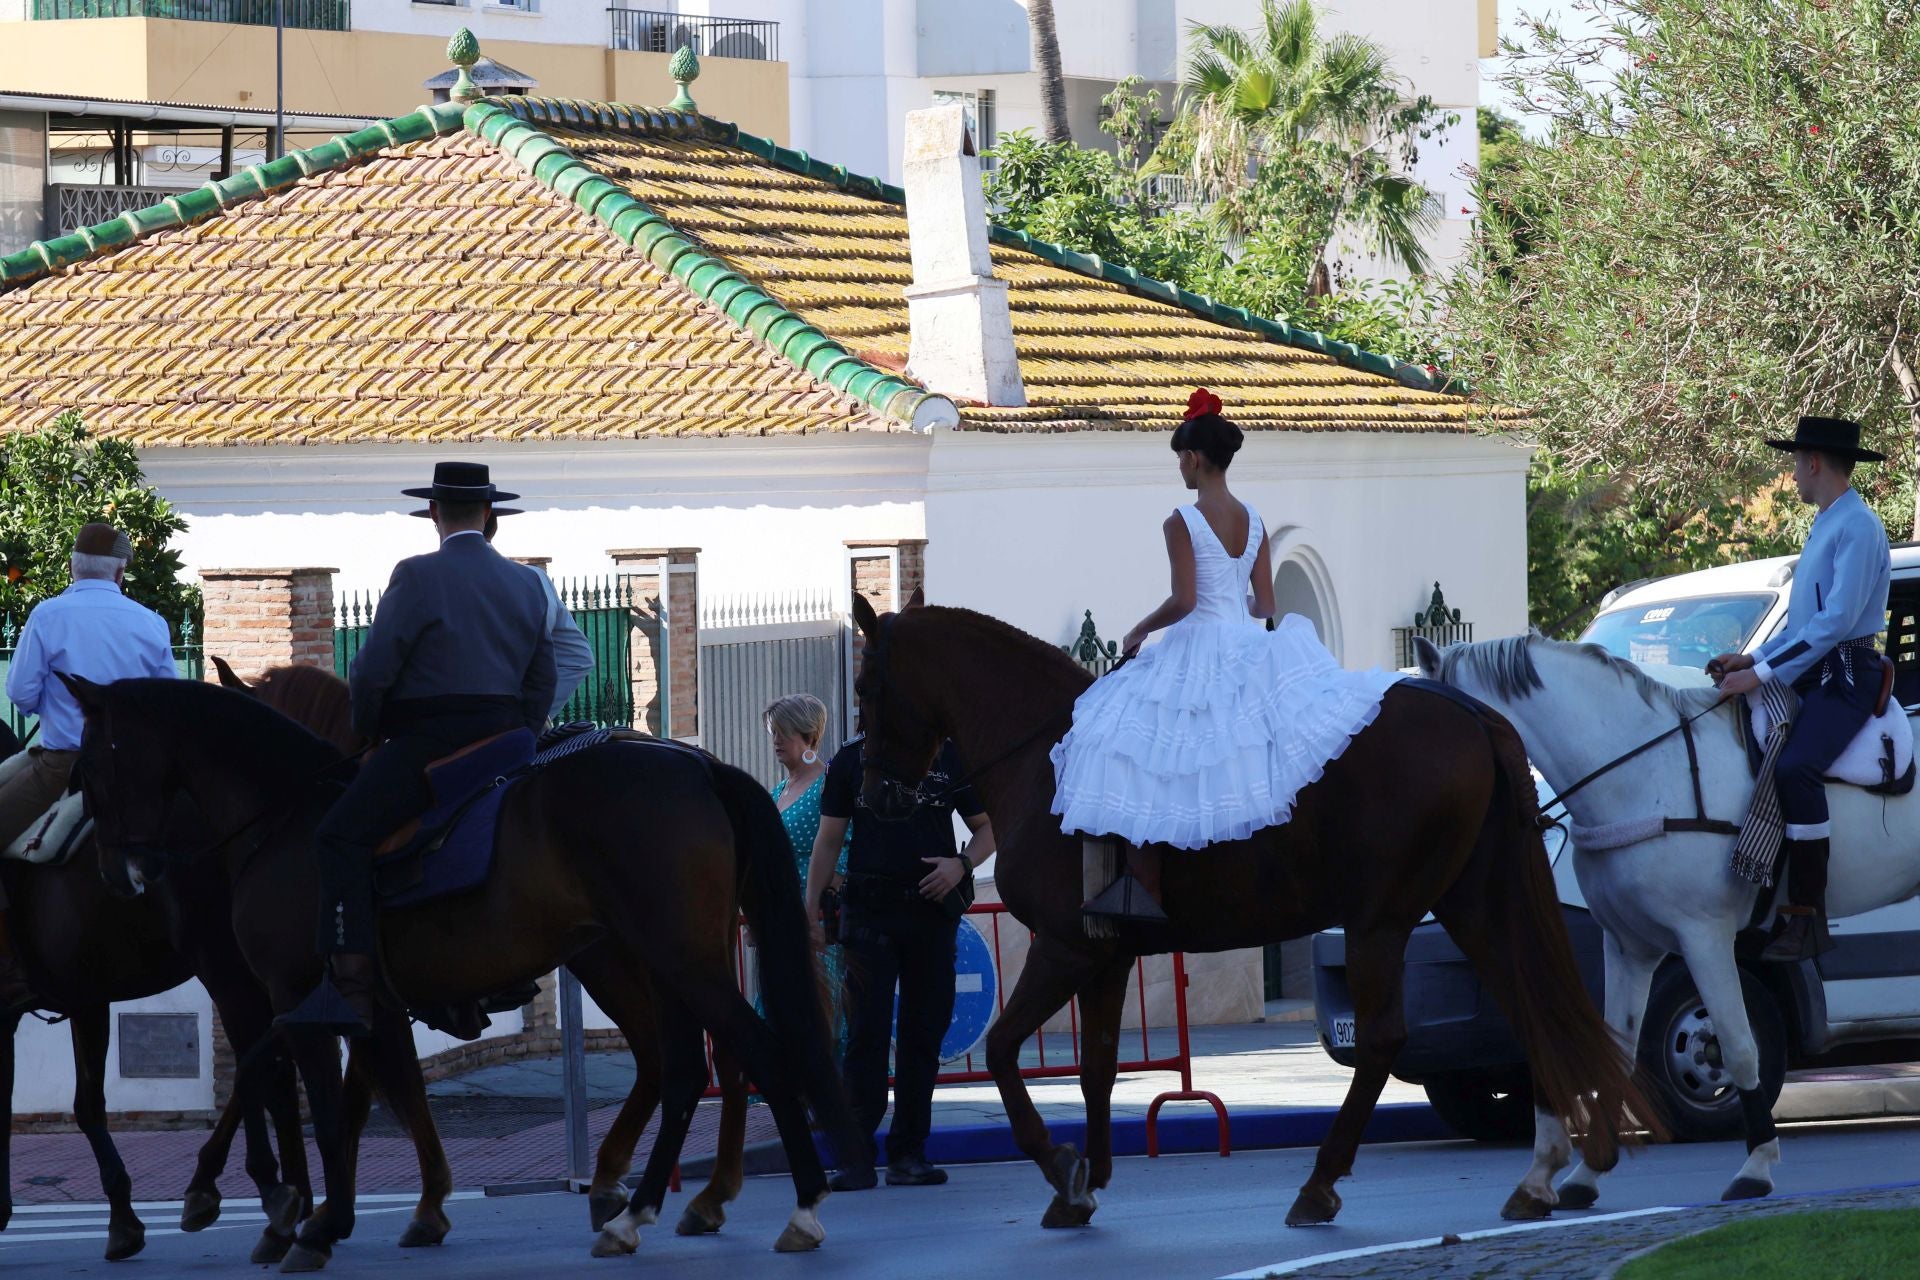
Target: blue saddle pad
[[454, 848]]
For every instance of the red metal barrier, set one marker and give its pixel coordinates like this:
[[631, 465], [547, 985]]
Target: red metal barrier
[[966, 1071]]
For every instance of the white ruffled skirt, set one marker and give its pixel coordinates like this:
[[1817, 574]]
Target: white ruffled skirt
[[1210, 734]]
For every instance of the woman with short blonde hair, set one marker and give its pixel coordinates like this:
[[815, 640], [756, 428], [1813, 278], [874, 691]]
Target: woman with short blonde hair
[[797, 724]]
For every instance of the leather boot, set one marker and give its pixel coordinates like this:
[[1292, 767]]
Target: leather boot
[[16, 996], [1800, 933]]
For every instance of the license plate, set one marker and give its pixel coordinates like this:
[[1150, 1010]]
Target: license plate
[[1343, 1033]]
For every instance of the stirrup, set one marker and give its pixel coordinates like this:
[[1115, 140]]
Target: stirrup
[[1124, 899], [325, 1009]]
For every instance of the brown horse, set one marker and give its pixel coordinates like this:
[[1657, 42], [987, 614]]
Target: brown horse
[[1428, 809], [319, 700], [84, 949], [617, 844]]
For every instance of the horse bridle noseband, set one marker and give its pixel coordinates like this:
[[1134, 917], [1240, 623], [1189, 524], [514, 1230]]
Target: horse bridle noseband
[[1699, 822]]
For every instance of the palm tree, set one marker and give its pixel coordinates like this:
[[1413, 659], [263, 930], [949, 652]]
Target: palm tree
[[1046, 61], [1285, 92]]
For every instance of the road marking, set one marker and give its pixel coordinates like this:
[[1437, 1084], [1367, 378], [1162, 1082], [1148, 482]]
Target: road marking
[[1301, 1264], [43, 1223]]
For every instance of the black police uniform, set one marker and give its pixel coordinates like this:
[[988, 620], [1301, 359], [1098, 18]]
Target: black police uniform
[[891, 933]]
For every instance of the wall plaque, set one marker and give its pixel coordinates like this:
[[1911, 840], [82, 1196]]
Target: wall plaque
[[159, 1046]]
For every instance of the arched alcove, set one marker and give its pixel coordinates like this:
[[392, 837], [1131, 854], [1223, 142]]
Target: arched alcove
[[1302, 585]]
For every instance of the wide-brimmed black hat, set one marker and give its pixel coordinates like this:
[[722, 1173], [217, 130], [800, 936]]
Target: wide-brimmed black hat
[[1837, 436], [426, 513], [461, 482]]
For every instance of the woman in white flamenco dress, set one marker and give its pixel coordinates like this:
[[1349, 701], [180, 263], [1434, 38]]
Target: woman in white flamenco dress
[[1209, 735]]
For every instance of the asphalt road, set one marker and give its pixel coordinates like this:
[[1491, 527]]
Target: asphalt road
[[1186, 1216]]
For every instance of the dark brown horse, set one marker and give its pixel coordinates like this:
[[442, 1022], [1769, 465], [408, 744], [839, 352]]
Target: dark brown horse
[[84, 949], [617, 845], [1429, 809], [319, 700]]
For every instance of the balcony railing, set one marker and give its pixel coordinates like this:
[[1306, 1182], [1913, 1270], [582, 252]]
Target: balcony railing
[[306, 15], [77, 205], [650, 31]]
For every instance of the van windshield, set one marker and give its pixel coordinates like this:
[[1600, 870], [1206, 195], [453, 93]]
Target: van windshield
[[1680, 633]]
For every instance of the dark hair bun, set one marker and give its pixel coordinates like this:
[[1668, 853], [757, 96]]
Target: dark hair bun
[[1211, 436]]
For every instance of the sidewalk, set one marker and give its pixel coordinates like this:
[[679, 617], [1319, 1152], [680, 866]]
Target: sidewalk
[[503, 1124]]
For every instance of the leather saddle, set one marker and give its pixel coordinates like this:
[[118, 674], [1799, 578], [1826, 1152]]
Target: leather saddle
[[1880, 760]]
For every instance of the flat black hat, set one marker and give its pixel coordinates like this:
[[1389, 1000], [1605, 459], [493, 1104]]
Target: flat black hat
[[461, 482], [1837, 436]]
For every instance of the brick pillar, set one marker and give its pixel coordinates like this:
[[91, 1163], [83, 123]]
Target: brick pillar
[[261, 618], [887, 572], [535, 562], [666, 660]]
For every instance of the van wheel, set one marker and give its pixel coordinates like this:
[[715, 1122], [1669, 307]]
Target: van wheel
[[1681, 1055], [1487, 1106]]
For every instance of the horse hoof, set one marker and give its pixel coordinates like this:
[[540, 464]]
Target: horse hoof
[[803, 1234], [697, 1221], [604, 1206], [1578, 1195], [124, 1242], [1748, 1189], [200, 1210], [1523, 1206], [425, 1231], [302, 1258], [1063, 1213], [617, 1239], [1313, 1208], [282, 1206], [271, 1248]]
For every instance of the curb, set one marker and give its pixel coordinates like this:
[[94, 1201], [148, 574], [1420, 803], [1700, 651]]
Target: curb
[[1264, 1130]]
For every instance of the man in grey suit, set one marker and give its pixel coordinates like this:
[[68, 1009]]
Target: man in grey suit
[[459, 651]]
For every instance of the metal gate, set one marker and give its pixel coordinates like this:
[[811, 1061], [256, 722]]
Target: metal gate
[[754, 649]]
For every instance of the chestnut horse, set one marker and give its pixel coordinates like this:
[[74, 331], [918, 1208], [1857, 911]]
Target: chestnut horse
[[319, 700], [85, 949], [1430, 808], [641, 847]]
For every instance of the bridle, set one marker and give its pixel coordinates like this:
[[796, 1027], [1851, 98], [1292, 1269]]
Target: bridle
[[1699, 822], [906, 798]]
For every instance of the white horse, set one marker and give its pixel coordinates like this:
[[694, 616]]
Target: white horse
[[1578, 708]]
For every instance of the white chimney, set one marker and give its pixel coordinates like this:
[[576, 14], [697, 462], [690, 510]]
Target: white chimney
[[962, 344]]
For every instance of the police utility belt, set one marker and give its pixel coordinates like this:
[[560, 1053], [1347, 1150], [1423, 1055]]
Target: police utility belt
[[885, 893]]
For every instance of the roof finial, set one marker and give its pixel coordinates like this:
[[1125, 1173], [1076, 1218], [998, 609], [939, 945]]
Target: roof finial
[[685, 69], [463, 51]]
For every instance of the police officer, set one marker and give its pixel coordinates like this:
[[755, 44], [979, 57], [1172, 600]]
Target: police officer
[[1827, 654], [898, 923], [459, 651]]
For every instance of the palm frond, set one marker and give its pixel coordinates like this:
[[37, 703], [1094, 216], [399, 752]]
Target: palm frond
[[1397, 213]]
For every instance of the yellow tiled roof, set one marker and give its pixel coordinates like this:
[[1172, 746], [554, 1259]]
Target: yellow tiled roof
[[527, 269]]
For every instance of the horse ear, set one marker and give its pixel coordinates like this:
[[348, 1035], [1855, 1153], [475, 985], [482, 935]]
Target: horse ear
[[1427, 657], [918, 600], [85, 692], [863, 614], [228, 678]]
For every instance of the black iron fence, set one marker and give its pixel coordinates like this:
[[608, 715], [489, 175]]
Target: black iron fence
[[306, 15], [653, 31]]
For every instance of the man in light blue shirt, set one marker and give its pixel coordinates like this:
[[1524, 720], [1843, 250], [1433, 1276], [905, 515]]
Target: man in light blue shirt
[[1827, 653], [572, 655], [89, 630]]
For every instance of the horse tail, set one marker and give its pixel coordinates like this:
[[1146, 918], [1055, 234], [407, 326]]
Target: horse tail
[[792, 984], [1580, 1072]]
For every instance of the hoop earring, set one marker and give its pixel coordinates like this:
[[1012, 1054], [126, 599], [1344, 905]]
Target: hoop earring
[[809, 756]]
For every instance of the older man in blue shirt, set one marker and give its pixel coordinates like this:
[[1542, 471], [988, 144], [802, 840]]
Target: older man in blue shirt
[[1827, 653], [89, 630]]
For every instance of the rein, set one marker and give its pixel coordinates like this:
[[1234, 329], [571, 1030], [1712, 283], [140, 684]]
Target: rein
[[1699, 822]]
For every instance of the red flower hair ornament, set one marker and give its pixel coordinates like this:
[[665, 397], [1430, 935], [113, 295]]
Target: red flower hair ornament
[[1202, 401]]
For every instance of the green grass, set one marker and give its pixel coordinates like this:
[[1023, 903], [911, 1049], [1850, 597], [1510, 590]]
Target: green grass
[[1858, 1244]]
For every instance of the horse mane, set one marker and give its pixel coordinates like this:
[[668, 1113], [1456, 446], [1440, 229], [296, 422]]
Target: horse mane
[[313, 697], [1507, 667], [1031, 654], [228, 716]]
